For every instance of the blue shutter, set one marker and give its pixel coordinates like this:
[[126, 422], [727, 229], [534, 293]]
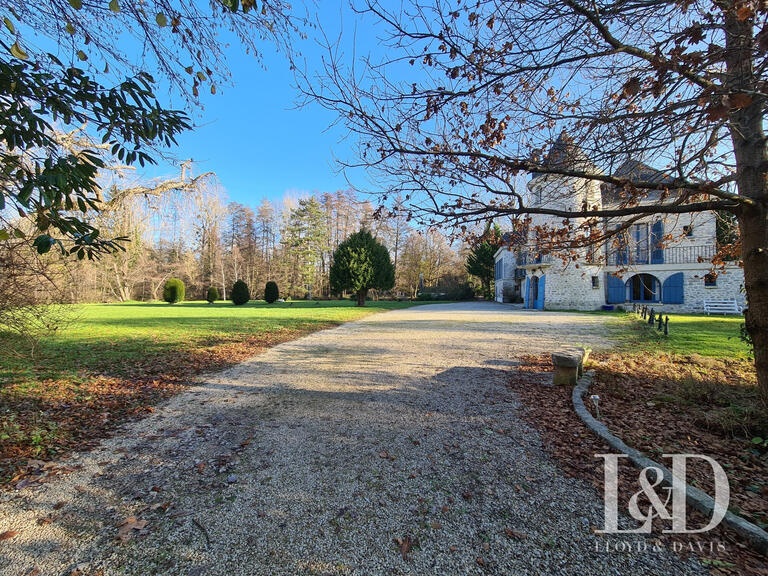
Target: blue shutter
[[673, 292], [657, 247], [616, 291], [542, 290]]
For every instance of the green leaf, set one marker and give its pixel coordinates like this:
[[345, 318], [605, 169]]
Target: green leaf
[[161, 20], [17, 52], [9, 25], [70, 29], [81, 55], [201, 76], [114, 6], [76, 4], [4, 234], [42, 243], [18, 233], [757, 440]]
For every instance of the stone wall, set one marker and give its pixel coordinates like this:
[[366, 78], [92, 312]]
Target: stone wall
[[729, 284], [570, 288], [506, 284]]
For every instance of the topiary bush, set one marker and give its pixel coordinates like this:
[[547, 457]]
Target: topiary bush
[[212, 295], [271, 292], [240, 293], [173, 291]]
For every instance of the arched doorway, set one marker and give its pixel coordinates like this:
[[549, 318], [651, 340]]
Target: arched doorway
[[643, 288]]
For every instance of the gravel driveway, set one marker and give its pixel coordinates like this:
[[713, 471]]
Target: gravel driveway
[[320, 455]]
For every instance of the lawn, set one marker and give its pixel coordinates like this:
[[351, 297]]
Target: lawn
[[117, 360], [711, 336]]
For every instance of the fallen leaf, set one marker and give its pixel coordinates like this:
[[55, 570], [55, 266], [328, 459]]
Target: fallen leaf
[[7, 535], [127, 526], [514, 534], [405, 544]]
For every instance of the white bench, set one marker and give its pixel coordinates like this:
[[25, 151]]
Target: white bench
[[722, 307]]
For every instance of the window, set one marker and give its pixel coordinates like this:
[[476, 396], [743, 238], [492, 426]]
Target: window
[[688, 230], [710, 280], [640, 241], [595, 282]]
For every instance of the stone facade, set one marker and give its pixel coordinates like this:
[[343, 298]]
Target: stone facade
[[637, 272]]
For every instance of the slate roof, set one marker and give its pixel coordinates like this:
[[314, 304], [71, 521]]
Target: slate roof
[[566, 154], [638, 171]]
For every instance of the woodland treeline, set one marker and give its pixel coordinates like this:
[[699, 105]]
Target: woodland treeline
[[191, 231]]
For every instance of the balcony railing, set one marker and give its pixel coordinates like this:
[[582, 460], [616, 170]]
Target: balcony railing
[[630, 256], [531, 258]]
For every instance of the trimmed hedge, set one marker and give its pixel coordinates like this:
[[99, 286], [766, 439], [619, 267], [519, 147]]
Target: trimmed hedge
[[212, 295], [240, 293], [173, 291], [271, 292]]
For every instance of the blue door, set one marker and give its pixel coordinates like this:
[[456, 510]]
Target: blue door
[[539, 301], [615, 289], [673, 292]]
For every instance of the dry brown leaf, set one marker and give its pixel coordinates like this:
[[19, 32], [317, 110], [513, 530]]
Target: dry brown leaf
[[406, 545], [7, 535], [514, 534], [127, 526]]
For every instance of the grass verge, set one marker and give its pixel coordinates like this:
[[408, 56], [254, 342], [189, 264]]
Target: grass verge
[[118, 360]]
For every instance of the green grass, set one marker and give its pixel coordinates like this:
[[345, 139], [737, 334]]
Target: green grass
[[111, 337], [116, 361], [711, 336]]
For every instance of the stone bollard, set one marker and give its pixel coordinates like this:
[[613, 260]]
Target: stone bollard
[[568, 366]]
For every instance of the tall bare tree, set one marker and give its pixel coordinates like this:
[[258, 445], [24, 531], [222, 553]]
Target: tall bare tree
[[469, 96]]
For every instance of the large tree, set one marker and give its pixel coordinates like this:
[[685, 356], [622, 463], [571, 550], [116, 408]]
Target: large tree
[[468, 97], [360, 264], [69, 63], [481, 260]]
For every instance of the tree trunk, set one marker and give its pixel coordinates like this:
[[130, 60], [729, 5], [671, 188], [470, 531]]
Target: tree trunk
[[751, 163], [361, 294], [754, 234]]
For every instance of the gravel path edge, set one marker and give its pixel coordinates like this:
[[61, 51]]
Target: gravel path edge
[[695, 498]]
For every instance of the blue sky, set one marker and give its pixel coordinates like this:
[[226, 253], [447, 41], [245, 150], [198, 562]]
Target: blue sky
[[255, 138]]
